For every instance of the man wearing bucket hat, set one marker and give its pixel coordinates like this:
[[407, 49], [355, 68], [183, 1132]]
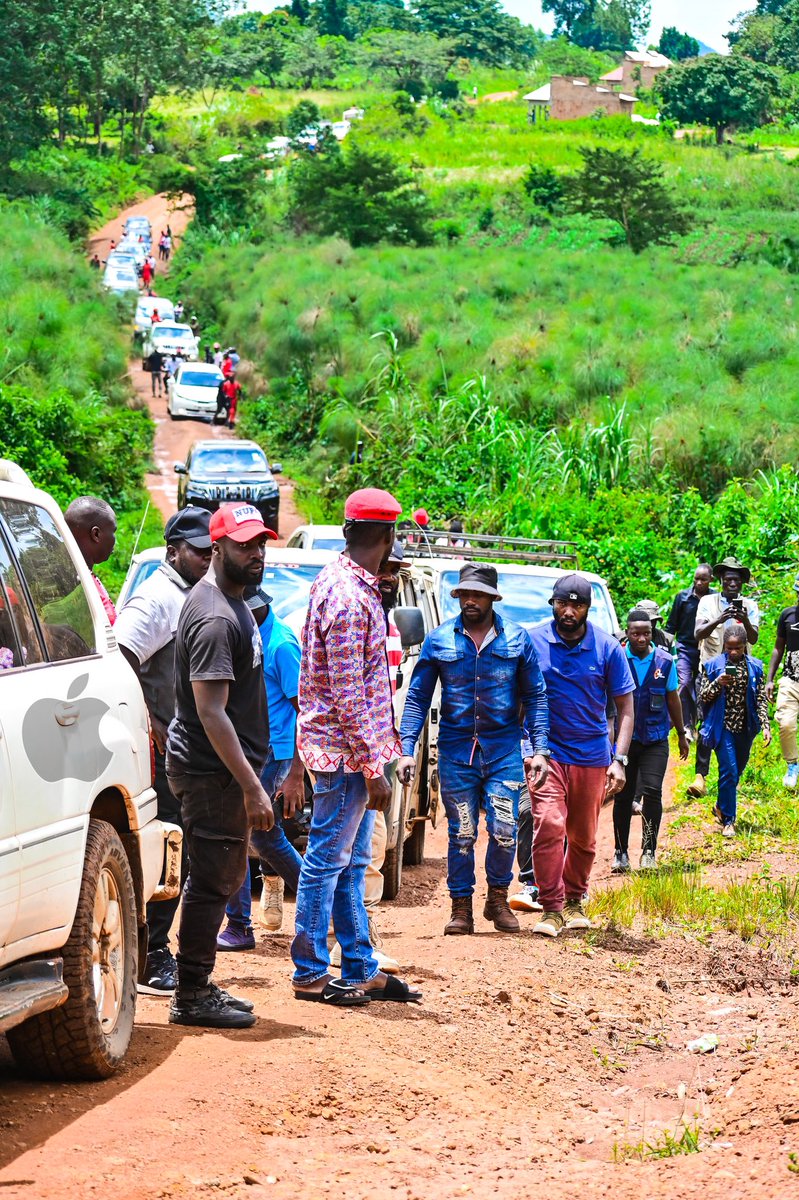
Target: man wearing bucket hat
[[714, 612], [487, 669], [583, 667], [216, 750], [787, 712], [346, 737]]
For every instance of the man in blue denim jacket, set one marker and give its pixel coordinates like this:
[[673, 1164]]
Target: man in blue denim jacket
[[488, 671]]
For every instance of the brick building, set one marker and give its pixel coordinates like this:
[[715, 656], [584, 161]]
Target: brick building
[[637, 69], [566, 98]]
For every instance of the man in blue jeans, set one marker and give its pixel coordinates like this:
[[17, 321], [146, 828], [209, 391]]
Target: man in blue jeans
[[488, 671], [279, 860]]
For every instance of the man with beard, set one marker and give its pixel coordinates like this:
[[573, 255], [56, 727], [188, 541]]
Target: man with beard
[[583, 667], [216, 750], [145, 629], [487, 669]]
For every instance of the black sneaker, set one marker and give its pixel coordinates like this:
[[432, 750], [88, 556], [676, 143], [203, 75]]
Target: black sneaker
[[160, 974], [233, 1001], [207, 1008]]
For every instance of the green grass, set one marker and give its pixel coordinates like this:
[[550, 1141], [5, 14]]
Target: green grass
[[685, 1139]]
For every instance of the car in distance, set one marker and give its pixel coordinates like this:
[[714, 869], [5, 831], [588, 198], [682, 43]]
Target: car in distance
[[81, 847], [317, 537], [170, 338], [223, 470], [143, 320], [192, 390], [120, 280]]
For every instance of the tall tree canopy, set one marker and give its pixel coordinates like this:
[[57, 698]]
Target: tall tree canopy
[[719, 91], [677, 46]]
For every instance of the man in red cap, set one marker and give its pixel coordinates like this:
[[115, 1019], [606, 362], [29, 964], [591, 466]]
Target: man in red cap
[[346, 737], [216, 750]]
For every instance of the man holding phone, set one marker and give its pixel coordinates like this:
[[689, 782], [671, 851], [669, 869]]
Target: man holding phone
[[713, 614]]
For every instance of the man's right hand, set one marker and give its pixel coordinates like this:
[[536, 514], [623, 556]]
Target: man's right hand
[[406, 769], [159, 734], [770, 691], [258, 807], [379, 794]]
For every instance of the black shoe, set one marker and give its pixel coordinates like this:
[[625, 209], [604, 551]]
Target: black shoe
[[160, 974], [232, 1001], [207, 1008]]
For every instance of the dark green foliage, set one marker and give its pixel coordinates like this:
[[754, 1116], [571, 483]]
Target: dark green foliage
[[719, 91], [601, 24], [360, 194], [227, 195], [677, 46], [545, 187], [625, 186], [479, 29], [301, 116]]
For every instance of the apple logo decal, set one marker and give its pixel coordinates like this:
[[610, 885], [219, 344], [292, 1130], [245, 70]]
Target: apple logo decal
[[62, 737]]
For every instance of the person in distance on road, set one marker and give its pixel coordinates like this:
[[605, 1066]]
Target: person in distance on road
[[145, 629], [714, 612], [682, 624], [583, 667], [231, 393], [488, 670], [656, 708], [216, 750], [346, 737], [733, 695], [94, 262], [156, 367], [787, 644], [93, 524]]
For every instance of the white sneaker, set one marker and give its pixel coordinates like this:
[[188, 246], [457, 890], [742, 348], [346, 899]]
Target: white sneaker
[[526, 899], [728, 831], [387, 964], [791, 776], [335, 955], [270, 906], [648, 862]]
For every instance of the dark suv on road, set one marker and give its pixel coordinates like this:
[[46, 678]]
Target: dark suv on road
[[223, 470]]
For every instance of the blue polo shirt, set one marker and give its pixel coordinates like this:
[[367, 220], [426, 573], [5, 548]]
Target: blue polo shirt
[[641, 667], [579, 681], [282, 679]]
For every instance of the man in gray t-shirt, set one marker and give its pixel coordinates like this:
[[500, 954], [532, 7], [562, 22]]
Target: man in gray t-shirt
[[145, 629]]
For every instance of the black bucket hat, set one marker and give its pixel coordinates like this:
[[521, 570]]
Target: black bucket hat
[[478, 577]]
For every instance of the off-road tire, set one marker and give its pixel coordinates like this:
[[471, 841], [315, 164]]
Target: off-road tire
[[392, 864], [413, 852], [70, 1042]]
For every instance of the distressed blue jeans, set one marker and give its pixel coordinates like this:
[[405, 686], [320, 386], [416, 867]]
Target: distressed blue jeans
[[732, 753], [464, 788], [332, 881]]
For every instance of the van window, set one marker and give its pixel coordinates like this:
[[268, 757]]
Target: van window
[[52, 579], [19, 642]]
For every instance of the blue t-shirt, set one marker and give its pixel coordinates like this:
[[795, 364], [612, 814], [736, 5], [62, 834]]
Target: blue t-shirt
[[641, 667], [282, 678], [579, 681]]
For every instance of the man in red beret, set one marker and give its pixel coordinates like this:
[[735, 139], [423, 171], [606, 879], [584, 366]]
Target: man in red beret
[[346, 737]]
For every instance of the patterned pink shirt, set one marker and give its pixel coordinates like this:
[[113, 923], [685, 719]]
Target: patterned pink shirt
[[345, 698]]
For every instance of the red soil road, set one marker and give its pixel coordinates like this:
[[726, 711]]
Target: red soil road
[[173, 438], [528, 1061]]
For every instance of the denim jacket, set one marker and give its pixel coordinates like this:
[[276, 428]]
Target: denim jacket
[[481, 694]]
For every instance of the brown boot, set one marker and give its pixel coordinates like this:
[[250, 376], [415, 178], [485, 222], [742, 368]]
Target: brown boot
[[462, 920], [497, 910]]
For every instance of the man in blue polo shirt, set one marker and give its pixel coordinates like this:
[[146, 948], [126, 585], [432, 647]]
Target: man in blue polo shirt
[[582, 666]]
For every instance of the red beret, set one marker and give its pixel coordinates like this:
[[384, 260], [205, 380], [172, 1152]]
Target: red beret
[[372, 504], [421, 516]]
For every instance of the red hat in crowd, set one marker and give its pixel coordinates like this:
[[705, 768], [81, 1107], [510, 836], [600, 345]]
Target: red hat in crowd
[[239, 522], [372, 504], [421, 516]]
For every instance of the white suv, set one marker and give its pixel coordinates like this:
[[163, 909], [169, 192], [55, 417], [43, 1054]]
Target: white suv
[[81, 850]]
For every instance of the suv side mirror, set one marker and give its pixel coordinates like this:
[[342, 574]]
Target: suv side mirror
[[277, 468], [180, 468], [410, 623]]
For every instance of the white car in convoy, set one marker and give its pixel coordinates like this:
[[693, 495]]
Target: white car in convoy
[[169, 338], [192, 390], [317, 537], [121, 279], [143, 320], [81, 848]]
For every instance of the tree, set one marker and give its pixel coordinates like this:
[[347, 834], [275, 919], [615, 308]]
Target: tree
[[677, 46], [303, 114], [719, 91], [601, 24], [401, 57], [479, 29], [624, 186], [23, 123], [358, 193], [567, 13], [754, 35]]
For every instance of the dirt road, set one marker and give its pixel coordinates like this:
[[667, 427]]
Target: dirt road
[[528, 1066]]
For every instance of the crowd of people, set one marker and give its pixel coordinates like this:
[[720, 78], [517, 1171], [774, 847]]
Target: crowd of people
[[538, 729]]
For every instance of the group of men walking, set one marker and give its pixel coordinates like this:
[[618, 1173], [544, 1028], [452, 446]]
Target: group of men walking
[[538, 728]]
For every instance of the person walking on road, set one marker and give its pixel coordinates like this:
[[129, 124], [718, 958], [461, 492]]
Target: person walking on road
[[346, 737], [657, 707], [146, 273], [155, 365], [216, 750], [733, 695], [145, 629], [487, 669], [93, 525], [231, 394], [787, 712], [714, 612], [584, 668], [682, 624], [280, 862]]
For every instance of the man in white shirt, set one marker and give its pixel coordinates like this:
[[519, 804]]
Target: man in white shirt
[[145, 630]]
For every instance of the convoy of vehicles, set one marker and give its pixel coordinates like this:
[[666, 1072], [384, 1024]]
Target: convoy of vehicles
[[170, 338], [221, 470], [192, 390]]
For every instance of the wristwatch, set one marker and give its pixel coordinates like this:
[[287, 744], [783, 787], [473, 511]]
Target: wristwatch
[[621, 758]]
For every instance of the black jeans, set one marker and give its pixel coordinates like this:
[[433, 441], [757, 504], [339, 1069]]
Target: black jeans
[[524, 838], [216, 830], [645, 772], [161, 914]]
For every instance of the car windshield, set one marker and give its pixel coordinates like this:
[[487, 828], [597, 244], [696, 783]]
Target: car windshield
[[172, 332], [525, 599], [238, 460], [289, 585], [209, 379], [328, 543], [141, 571]]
